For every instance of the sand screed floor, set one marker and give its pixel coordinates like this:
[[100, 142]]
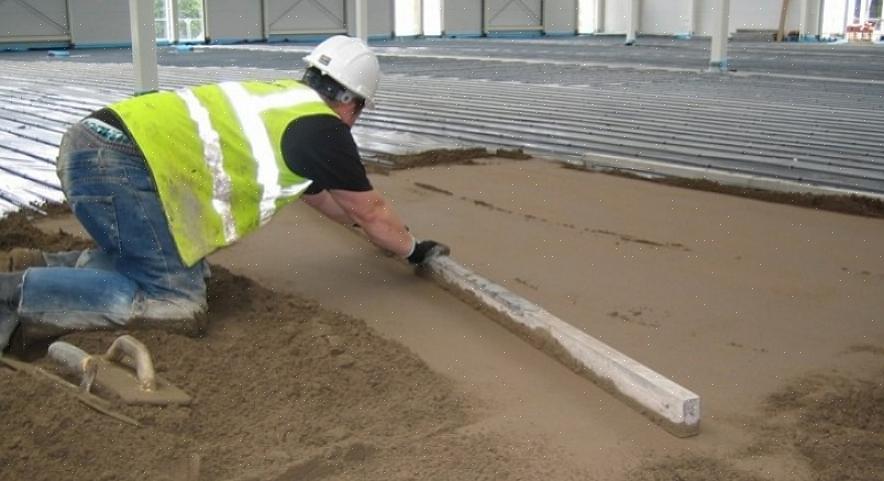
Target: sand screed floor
[[332, 361]]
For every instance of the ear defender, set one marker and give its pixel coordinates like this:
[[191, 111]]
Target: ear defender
[[346, 97], [327, 86]]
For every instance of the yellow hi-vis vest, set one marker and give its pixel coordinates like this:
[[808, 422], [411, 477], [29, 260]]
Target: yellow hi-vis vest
[[215, 155]]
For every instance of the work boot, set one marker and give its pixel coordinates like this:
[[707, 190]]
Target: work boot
[[8, 323], [10, 288], [194, 326], [10, 293], [21, 258]]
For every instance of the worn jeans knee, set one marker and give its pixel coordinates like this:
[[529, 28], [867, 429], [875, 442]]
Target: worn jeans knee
[[136, 272]]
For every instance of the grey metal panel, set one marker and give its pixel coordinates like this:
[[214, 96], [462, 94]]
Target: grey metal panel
[[757, 15], [99, 22], [560, 16], [380, 18], [616, 13], [665, 18], [233, 20], [462, 17], [747, 15], [33, 20], [294, 17], [503, 15]]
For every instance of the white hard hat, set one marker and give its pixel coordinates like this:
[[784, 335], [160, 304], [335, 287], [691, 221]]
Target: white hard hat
[[350, 62]]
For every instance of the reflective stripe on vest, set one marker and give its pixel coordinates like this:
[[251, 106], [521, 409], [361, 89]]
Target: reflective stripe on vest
[[215, 160], [215, 155]]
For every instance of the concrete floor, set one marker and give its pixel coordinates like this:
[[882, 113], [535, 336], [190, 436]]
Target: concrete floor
[[806, 115]]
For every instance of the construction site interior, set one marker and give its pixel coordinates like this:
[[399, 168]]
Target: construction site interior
[[666, 221]]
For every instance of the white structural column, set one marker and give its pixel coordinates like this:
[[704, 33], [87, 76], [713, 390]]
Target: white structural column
[[692, 18], [265, 19], [172, 21], [802, 19], [361, 20], [720, 30], [144, 46], [586, 16], [810, 19], [632, 22], [815, 18], [431, 18], [599, 16]]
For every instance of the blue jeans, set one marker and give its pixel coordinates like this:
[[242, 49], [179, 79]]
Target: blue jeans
[[135, 278]]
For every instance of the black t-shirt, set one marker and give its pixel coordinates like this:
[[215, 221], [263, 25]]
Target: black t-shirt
[[331, 163], [321, 148]]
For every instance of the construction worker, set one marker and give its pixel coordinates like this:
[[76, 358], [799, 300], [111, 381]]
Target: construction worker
[[160, 181]]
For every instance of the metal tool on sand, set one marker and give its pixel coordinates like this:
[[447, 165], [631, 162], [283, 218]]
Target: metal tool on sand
[[125, 370], [94, 402]]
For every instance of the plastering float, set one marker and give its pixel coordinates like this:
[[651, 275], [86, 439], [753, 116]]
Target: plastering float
[[126, 371]]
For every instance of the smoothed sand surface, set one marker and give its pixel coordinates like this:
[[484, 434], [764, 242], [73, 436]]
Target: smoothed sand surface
[[727, 296], [771, 313]]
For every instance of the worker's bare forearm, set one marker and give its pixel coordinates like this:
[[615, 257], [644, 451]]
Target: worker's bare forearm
[[325, 204], [378, 220], [389, 233]]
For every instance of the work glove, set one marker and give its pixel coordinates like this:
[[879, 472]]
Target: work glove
[[426, 250]]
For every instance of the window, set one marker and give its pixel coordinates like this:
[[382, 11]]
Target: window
[[179, 20]]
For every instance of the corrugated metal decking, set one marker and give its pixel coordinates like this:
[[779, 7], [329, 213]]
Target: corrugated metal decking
[[816, 120]]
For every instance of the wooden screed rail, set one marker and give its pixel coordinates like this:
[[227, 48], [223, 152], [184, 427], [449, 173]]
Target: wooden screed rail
[[668, 404]]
